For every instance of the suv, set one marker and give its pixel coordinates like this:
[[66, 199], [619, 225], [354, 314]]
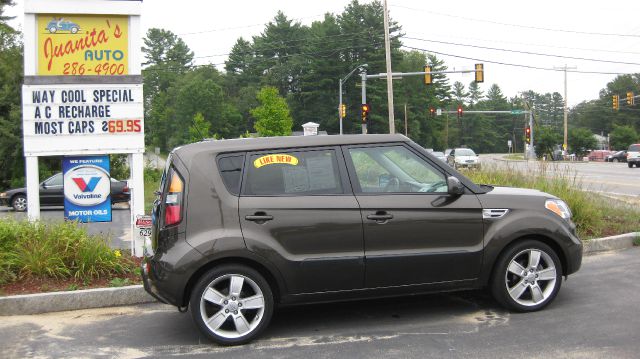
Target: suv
[[242, 226], [633, 155]]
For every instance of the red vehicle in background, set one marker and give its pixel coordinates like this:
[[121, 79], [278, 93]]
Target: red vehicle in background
[[599, 155]]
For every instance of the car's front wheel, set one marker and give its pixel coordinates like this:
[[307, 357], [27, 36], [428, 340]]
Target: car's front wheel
[[630, 164], [232, 304], [53, 29], [615, 160], [19, 203], [527, 276]]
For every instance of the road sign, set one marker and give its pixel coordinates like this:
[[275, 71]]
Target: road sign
[[517, 112], [439, 112], [509, 143]]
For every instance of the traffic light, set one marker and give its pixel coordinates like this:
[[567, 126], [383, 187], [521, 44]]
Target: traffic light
[[432, 111], [630, 101], [459, 111], [343, 110], [479, 72], [365, 112], [527, 134], [428, 78], [616, 102]]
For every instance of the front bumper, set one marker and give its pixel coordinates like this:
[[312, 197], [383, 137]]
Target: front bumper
[[4, 201]]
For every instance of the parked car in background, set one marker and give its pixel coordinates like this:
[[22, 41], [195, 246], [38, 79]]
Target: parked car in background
[[447, 152], [620, 156], [598, 155], [241, 227], [439, 155], [463, 157], [633, 155], [52, 194]]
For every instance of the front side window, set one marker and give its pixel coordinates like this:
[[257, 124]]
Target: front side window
[[313, 172], [395, 169]]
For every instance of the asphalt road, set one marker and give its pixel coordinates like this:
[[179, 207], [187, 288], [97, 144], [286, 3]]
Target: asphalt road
[[594, 316], [118, 230], [609, 178]]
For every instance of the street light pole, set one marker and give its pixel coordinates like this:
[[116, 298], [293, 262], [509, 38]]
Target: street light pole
[[565, 68], [387, 50], [340, 82]]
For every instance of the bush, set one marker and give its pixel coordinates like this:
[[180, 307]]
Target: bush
[[56, 250], [593, 214]]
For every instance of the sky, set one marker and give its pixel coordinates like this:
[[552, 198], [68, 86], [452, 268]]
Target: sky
[[568, 30]]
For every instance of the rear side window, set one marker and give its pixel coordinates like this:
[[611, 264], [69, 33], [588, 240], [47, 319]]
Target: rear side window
[[230, 167], [634, 148], [282, 173]]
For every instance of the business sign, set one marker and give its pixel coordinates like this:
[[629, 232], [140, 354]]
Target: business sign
[[87, 188], [78, 119], [82, 44]]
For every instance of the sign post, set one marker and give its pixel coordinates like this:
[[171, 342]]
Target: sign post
[[82, 96]]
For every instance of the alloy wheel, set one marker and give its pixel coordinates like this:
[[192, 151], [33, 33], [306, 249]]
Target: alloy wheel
[[232, 306], [20, 204], [531, 277]]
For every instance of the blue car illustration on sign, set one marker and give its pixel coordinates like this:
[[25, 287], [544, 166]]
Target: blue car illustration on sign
[[61, 24]]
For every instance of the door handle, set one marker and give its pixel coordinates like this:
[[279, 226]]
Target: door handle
[[380, 217], [259, 217]]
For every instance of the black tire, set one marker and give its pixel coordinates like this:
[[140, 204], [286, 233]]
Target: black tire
[[198, 304], [19, 203], [615, 160], [502, 279], [630, 164]]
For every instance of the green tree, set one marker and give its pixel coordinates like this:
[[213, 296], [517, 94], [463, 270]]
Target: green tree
[[11, 160], [273, 118], [622, 136], [546, 138], [199, 129], [475, 93], [581, 140]]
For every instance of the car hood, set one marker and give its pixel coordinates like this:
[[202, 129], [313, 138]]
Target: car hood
[[12, 191], [510, 191], [512, 197]]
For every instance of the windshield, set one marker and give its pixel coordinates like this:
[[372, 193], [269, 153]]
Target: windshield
[[465, 152], [634, 148]]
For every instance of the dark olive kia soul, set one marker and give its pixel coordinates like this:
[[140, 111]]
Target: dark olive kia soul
[[242, 226]]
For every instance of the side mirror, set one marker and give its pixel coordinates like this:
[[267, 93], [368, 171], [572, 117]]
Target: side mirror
[[454, 186], [43, 185]]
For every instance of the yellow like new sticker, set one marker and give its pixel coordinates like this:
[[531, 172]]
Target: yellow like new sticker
[[273, 159]]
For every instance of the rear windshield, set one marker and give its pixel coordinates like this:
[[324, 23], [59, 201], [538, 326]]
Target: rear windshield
[[634, 148]]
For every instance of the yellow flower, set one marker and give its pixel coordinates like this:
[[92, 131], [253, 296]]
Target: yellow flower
[[117, 253]]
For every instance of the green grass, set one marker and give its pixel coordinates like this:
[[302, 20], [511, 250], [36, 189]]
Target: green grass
[[514, 156], [56, 250], [151, 184], [594, 215]]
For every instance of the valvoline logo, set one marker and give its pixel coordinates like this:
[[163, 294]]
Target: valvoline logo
[[84, 186], [87, 185]]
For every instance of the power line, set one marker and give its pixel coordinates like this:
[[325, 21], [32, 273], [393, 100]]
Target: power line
[[521, 51], [516, 65], [242, 27], [520, 26], [540, 45]]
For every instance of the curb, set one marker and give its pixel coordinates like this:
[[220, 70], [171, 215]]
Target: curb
[[613, 243], [110, 297], [73, 300]]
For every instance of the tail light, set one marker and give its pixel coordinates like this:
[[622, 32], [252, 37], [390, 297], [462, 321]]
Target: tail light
[[173, 200], [125, 189]]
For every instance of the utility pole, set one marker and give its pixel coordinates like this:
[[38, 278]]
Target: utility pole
[[387, 50], [565, 68], [341, 81], [405, 120]]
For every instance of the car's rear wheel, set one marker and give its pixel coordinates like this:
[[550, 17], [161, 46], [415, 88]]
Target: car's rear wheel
[[630, 164], [527, 276], [74, 30], [19, 203], [232, 304], [615, 160]]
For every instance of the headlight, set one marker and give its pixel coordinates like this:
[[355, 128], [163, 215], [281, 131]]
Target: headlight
[[558, 207], [3, 195]]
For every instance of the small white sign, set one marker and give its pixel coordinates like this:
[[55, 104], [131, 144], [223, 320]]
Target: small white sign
[[509, 143], [81, 119], [439, 112]]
